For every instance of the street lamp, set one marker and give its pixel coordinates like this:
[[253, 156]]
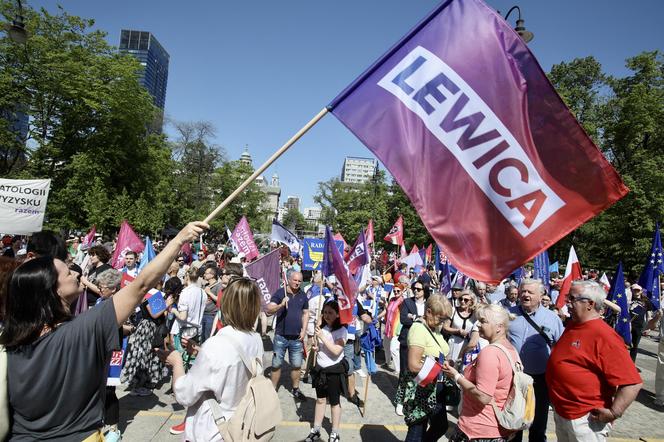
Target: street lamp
[[17, 30], [520, 29]]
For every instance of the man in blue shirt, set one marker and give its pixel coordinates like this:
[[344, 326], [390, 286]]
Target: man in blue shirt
[[291, 306], [534, 349]]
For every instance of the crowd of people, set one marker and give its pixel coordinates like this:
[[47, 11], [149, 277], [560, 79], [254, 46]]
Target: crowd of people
[[66, 312]]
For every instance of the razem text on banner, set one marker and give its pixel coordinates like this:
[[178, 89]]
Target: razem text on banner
[[477, 117], [22, 205]]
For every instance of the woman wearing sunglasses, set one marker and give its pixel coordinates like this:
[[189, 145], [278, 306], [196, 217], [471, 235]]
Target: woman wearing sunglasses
[[459, 326]]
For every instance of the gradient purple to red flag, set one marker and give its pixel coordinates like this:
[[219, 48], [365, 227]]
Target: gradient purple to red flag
[[462, 115]]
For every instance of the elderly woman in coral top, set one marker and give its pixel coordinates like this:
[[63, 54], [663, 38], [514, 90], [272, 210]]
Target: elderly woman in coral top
[[488, 378]]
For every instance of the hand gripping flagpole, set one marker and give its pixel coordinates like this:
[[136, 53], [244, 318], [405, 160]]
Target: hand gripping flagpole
[[265, 165]]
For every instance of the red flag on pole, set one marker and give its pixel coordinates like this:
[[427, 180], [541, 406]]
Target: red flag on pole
[[395, 236], [572, 273], [127, 240], [429, 252], [369, 233]]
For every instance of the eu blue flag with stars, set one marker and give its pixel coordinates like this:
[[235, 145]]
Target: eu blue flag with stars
[[541, 269], [617, 295], [649, 279]]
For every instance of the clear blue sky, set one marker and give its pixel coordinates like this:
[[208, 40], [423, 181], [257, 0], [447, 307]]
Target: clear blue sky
[[259, 70]]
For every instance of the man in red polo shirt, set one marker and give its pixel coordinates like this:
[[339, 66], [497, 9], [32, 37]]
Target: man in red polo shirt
[[590, 376]]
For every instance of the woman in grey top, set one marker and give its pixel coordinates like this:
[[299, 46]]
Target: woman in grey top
[[57, 365]]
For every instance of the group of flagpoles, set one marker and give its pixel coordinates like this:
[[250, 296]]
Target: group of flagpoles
[[265, 165]]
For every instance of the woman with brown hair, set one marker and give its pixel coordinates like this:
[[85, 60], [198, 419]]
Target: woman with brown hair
[[56, 390], [99, 257], [219, 371]]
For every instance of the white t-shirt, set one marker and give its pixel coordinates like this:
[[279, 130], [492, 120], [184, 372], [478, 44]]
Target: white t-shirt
[[192, 299], [218, 372], [325, 357]]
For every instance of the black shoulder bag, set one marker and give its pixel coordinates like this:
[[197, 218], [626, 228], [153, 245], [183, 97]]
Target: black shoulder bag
[[539, 330]]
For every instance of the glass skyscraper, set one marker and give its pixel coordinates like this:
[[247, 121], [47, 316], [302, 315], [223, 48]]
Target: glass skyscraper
[[154, 59]]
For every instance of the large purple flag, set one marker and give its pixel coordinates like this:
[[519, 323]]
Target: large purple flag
[[346, 289], [265, 271], [462, 115]]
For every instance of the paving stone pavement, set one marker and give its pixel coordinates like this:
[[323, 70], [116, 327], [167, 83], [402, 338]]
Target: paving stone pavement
[[149, 418]]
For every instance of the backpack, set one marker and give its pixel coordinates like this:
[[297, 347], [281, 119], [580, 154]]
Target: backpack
[[519, 409], [259, 412]]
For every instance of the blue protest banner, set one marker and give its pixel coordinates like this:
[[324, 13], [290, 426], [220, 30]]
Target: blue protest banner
[[313, 252]]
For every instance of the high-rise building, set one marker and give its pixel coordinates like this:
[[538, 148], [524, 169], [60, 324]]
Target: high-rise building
[[154, 59], [358, 170], [292, 203]]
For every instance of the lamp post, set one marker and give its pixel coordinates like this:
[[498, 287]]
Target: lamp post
[[520, 29], [17, 30]]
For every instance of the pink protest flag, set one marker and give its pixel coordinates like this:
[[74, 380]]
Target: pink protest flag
[[244, 239], [90, 237], [415, 249], [127, 240], [369, 233]]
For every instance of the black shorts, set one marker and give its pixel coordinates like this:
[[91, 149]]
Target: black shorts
[[333, 390]]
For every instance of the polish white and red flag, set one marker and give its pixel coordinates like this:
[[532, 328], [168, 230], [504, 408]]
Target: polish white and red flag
[[604, 280], [395, 235], [429, 372], [572, 273]]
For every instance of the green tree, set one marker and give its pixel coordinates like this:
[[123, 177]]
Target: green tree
[[88, 117], [413, 228], [348, 207], [295, 221], [624, 115], [249, 203]]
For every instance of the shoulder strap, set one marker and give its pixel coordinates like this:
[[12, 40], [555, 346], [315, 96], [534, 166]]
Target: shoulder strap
[[507, 353], [432, 335], [252, 366], [539, 330]]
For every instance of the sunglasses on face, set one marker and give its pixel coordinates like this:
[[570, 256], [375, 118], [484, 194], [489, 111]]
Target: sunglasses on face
[[419, 289], [464, 300]]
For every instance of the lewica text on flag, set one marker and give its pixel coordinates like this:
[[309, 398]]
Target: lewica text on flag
[[456, 115]]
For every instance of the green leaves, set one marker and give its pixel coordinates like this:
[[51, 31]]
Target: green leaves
[[348, 208], [624, 117]]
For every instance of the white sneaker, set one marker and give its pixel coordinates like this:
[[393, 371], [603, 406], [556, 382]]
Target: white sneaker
[[362, 373], [399, 410]]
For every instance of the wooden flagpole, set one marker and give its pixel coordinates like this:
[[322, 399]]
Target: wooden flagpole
[[367, 380], [265, 165]]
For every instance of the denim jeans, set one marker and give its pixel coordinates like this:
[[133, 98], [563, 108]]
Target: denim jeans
[[294, 347], [206, 326]]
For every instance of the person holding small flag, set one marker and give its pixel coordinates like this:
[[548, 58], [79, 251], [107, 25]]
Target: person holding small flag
[[487, 380], [419, 385]]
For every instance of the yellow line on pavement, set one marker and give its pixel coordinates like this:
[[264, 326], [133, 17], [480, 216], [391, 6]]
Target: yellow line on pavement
[[351, 426]]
